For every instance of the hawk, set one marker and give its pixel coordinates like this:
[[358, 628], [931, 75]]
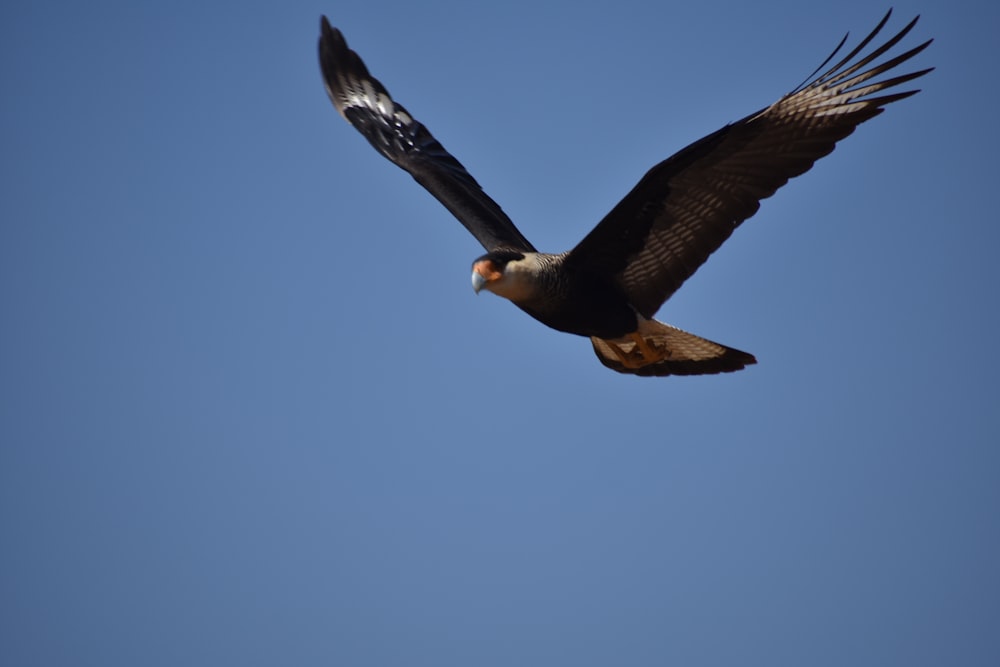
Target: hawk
[[609, 287]]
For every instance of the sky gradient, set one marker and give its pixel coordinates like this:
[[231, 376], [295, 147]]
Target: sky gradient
[[252, 413]]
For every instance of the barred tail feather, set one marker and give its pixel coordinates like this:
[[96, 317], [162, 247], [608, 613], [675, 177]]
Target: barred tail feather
[[658, 349]]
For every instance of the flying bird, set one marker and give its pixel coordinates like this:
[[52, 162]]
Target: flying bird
[[611, 284]]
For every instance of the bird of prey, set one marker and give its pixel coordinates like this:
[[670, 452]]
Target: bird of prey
[[611, 284]]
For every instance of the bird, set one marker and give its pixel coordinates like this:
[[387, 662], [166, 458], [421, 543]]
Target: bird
[[610, 285]]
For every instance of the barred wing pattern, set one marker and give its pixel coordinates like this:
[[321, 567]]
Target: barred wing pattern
[[684, 208]]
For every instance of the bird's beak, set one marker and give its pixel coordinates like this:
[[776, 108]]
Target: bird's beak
[[478, 281]]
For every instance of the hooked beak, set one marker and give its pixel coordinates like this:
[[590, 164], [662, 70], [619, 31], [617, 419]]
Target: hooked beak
[[484, 272], [478, 281]]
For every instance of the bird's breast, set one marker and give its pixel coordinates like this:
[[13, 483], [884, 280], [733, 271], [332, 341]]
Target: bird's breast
[[582, 307]]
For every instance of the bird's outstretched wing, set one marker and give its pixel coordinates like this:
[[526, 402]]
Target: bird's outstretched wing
[[388, 126], [684, 208]]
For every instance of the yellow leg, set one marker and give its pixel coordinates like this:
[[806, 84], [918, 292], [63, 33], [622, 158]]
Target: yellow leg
[[640, 353], [648, 353], [620, 353]]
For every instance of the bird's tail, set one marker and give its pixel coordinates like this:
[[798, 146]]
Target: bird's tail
[[658, 349]]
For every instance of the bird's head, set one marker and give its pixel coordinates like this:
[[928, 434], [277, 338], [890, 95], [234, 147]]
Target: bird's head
[[506, 273]]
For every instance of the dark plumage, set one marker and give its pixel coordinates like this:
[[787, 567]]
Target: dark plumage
[[612, 283]]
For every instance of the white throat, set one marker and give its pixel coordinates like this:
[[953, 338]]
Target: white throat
[[519, 282]]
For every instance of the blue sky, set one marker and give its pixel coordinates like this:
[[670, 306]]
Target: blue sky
[[251, 411]]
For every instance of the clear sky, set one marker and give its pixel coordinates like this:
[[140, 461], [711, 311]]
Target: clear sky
[[252, 413]]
